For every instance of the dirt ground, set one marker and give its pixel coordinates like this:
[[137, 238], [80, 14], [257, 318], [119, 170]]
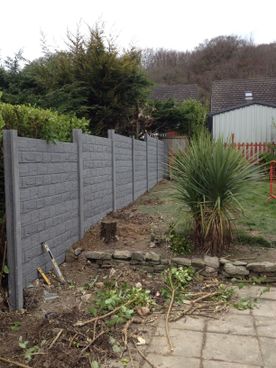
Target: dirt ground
[[41, 321], [141, 226], [144, 225]]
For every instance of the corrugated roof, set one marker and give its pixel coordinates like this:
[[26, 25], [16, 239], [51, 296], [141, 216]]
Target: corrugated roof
[[228, 94], [179, 92]]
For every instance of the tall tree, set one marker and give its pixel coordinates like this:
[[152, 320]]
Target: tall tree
[[91, 79]]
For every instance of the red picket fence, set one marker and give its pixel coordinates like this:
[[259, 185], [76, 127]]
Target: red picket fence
[[272, 179], [252, 151]]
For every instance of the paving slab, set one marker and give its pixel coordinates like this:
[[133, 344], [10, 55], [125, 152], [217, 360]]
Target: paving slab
[[237, 339], [219, 364], [186, 323], [186, 343], [249, 291], [266, 327], [245, 312], [266, 308], [171, 361], [268, 347], [270, 294], [232, 324], [232, 349]]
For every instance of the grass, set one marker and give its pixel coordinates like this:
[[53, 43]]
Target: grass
[[260, 213], [165, 204], [257, 227]]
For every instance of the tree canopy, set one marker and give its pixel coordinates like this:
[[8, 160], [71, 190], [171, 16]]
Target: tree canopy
[[185, 117], [223, 57], [90, 79]]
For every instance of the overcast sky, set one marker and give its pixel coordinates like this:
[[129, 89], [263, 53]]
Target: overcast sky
[[171, 24]]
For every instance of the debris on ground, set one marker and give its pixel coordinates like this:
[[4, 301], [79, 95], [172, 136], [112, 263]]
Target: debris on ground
[[111, 318]]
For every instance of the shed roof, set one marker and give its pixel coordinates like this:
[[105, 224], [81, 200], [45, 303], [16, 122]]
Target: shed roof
[[179, 92], [241, 106], [230, 94]]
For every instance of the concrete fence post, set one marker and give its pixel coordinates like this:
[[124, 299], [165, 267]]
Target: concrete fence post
[[13, 221], [133, 168], [111, 135], [77, 138], [157, 159], [147, 160]]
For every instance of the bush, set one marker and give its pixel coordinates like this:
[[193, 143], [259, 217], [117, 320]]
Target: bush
[[38, 123], [212, 179], [184, 117]]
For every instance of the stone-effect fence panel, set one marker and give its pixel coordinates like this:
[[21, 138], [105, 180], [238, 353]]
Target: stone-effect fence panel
[[55, 192]]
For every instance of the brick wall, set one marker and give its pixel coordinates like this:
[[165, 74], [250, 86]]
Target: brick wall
[[55, 192]]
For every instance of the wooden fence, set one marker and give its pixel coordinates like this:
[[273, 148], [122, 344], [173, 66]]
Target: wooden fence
[[174, 144], [252, 151]]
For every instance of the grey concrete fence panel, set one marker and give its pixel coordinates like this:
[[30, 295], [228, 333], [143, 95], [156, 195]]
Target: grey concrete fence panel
[[56, 191]]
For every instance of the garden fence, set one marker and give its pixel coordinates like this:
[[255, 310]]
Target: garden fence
[[252, 151], [55, 192]]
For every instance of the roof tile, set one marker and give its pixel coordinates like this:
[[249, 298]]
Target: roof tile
[[227, 94], [179, 92]]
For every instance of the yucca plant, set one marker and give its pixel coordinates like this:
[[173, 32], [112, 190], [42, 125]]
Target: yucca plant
[[211, 179]]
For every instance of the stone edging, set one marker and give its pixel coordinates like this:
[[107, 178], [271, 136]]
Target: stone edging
[[153, 262]]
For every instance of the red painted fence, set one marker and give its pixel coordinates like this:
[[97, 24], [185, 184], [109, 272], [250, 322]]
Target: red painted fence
[[252, 151], [272, 179]]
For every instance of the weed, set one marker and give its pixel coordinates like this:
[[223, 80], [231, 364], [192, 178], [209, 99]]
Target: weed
[[29, 351], [113, 296], [94, 364], [258, 280], [177, 278], [179, 240], [245, 303], [15, 326], [71, 284], [225, 293]]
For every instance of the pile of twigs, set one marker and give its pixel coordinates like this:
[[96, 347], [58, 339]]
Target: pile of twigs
[[204, 303]]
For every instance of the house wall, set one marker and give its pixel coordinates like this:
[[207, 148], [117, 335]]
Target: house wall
[[55, 192], [252, 123]]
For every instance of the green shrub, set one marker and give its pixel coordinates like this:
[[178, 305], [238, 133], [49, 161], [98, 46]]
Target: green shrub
[[180, 238], [38, 123], [212, 179], [187, 117]]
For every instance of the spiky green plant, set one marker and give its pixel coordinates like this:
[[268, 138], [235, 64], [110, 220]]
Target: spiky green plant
[[211, 179]]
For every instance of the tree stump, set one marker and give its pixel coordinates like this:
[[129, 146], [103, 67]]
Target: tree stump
[[108, 231]]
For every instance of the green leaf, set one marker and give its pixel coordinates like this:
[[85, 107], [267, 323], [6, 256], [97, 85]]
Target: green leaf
[[94, 364], [15, 326], [6, 269], [23, 343]]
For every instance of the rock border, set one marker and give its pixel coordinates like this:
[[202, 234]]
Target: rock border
[[208, 266]]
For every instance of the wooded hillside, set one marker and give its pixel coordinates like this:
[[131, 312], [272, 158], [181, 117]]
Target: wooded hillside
[[224, 57]]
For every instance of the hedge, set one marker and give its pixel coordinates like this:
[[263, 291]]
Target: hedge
[[39, 123]]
